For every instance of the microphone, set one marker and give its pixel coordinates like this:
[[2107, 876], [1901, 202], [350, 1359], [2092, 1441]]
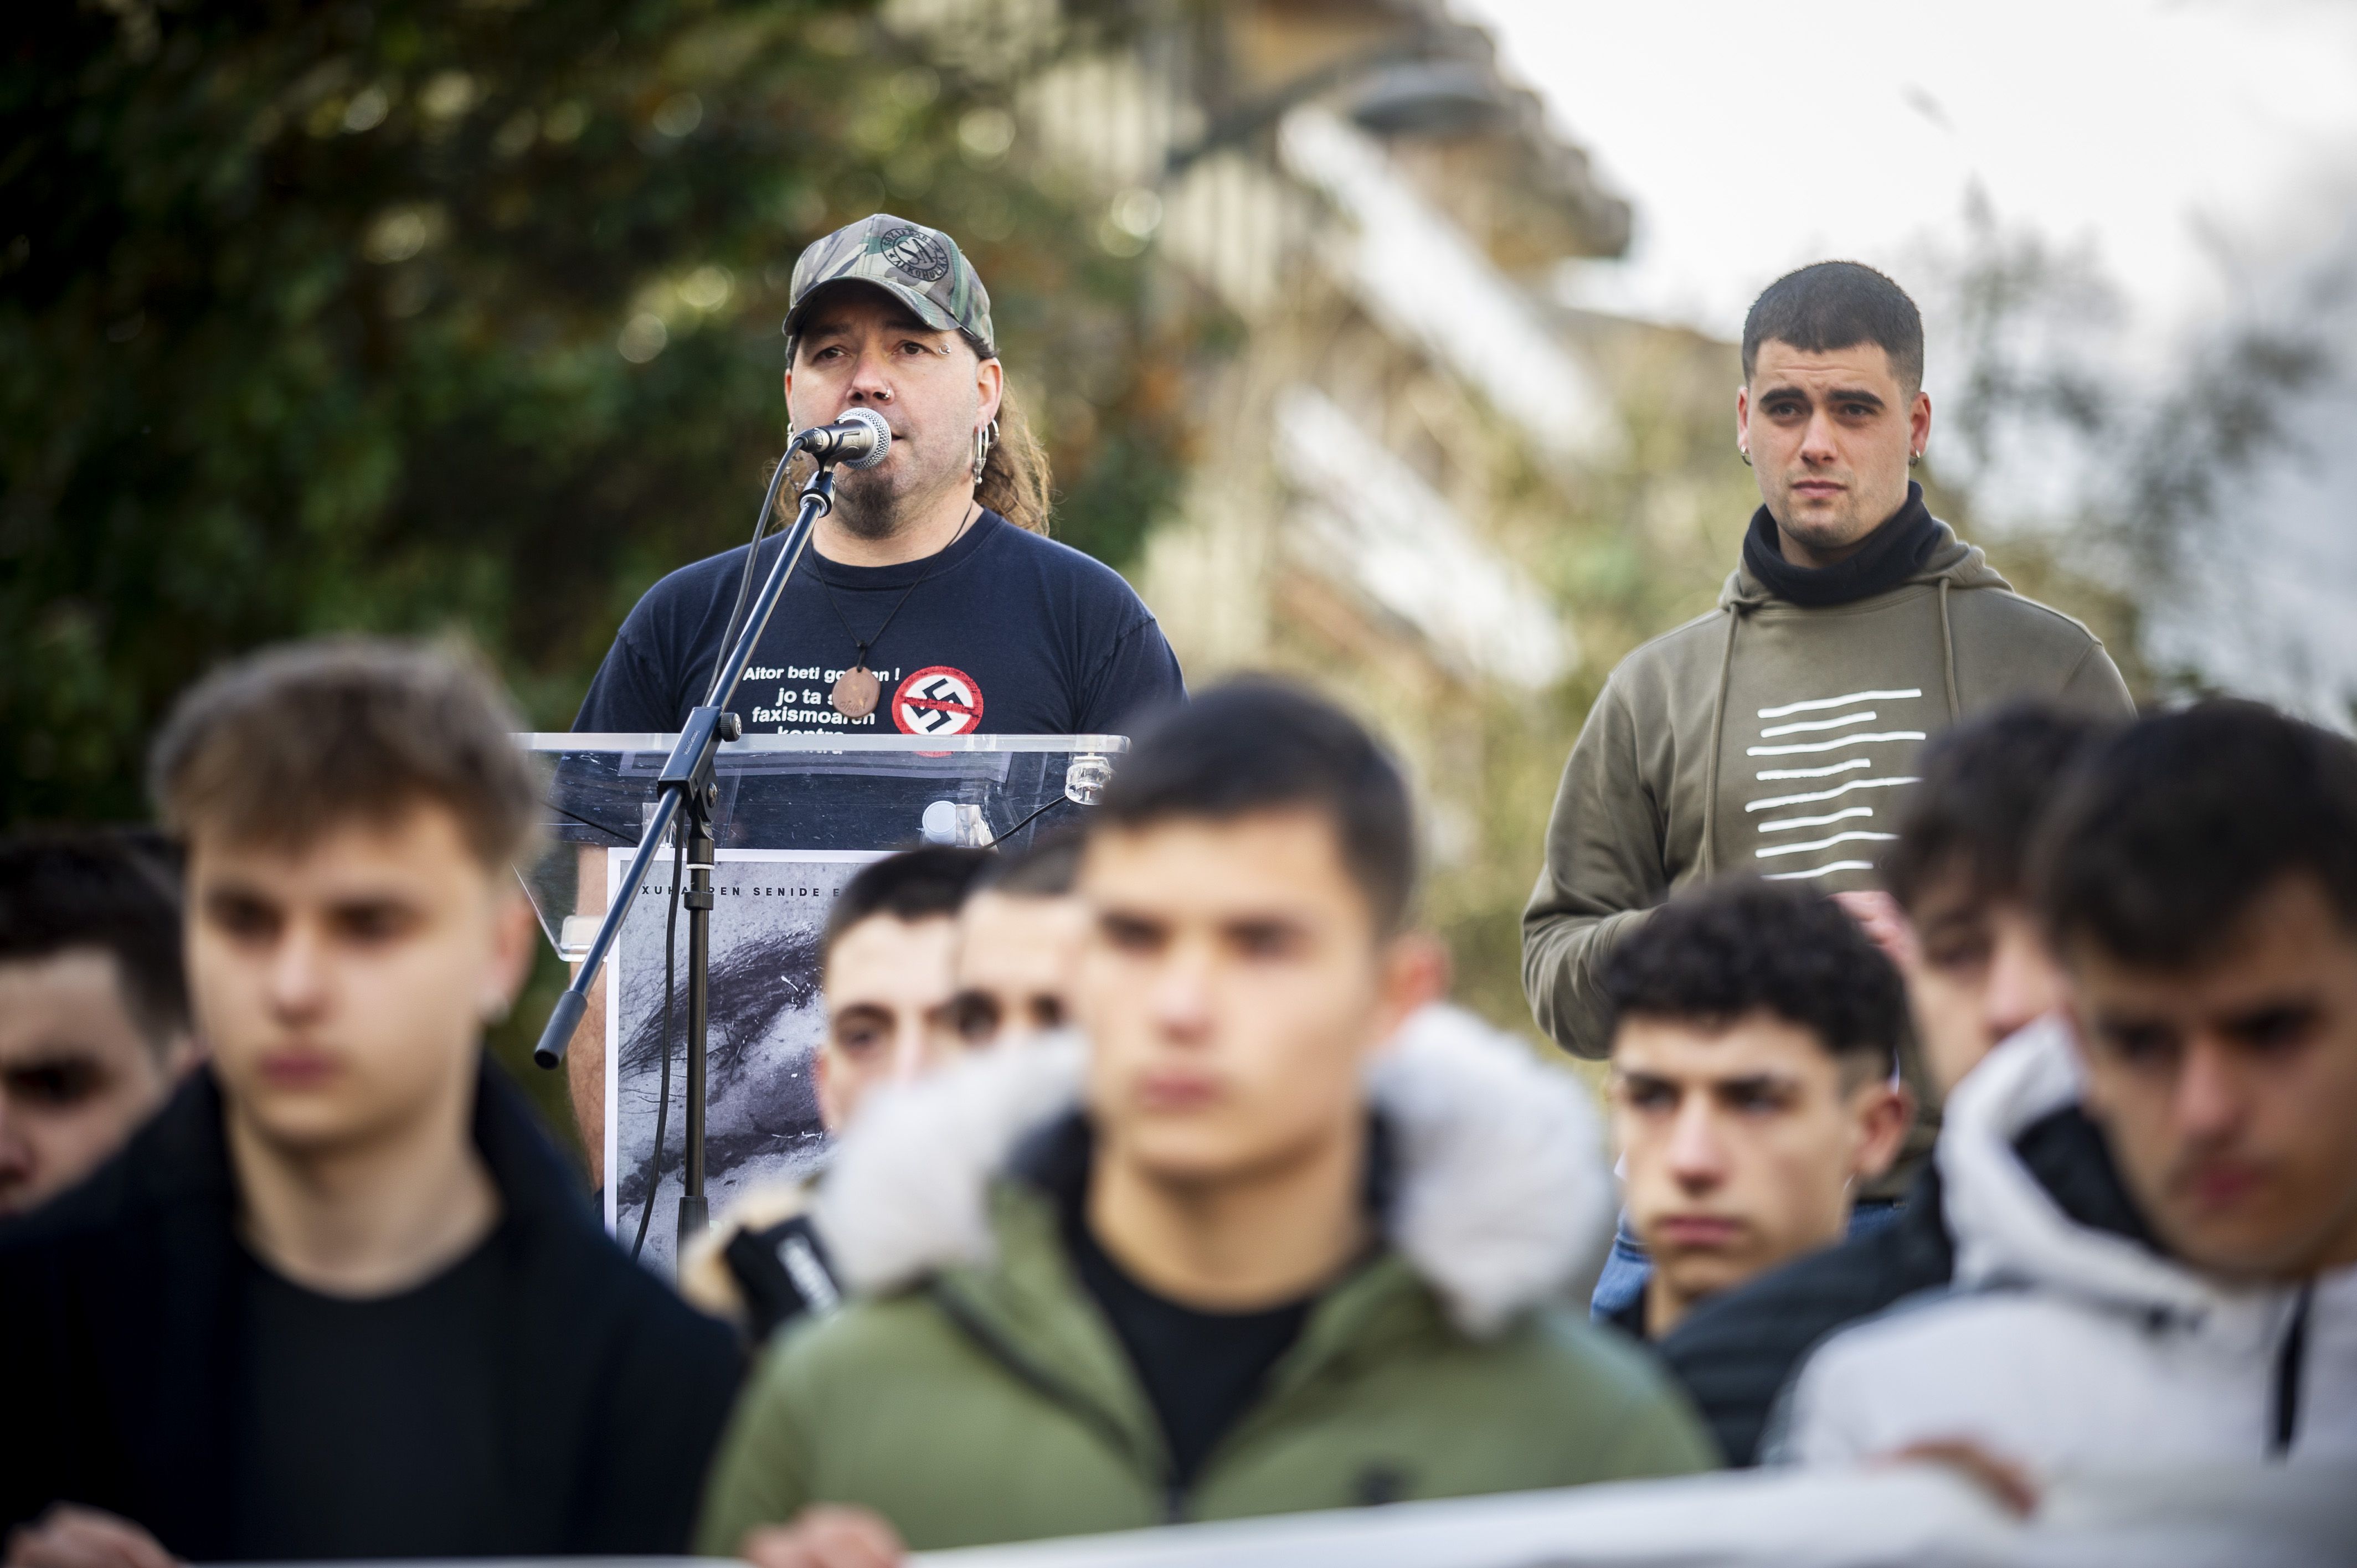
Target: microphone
[[859, 440]]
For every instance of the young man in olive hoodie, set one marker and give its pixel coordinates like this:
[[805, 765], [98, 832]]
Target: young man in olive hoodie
[[1769, 735], [1281, 1235]]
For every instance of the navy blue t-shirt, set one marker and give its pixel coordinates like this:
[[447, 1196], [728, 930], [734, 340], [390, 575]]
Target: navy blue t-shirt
[[1004, 632]]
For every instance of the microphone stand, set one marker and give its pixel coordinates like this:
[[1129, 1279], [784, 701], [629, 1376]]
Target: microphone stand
[[686, 790]]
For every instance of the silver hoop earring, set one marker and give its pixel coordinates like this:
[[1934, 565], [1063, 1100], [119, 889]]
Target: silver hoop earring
[[1745, 455], [1913, 458], [984, 436]]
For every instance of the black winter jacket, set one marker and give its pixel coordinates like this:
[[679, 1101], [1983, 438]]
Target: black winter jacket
[[119, 1316], [1735, 1352]]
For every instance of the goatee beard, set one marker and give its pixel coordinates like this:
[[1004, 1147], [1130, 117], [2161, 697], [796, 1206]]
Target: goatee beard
[[871, 507], [868, 510]]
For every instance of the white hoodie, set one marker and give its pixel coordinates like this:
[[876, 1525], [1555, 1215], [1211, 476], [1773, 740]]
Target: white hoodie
[[2068, 1348]]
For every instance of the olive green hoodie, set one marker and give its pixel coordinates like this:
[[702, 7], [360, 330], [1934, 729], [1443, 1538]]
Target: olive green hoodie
[[1771, 737], [974, 1393]]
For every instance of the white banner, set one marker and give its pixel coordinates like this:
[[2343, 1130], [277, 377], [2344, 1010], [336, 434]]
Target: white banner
[[2218, 1517], [770, 907]]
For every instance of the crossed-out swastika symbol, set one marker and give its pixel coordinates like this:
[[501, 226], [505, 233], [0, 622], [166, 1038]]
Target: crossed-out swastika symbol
[[938, 700]]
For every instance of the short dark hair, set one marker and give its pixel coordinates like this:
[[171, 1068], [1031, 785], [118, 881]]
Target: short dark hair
[[1258, 744], [117, 892], [1984, 784], [1741, 945], [922, 883], [1837, 305], [279, 747], [1047, 869], [2167, 833]]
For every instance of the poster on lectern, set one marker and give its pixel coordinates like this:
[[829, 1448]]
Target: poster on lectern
[[769, 910]]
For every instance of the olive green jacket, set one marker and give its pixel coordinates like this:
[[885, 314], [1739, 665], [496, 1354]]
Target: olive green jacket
[[1772, 738], [987, 1400]]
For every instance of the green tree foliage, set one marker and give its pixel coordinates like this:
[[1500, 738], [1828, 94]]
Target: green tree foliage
[[415, 316]]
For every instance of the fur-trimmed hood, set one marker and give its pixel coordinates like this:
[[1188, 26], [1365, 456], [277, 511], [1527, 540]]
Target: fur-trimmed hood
[[1501, 1196]]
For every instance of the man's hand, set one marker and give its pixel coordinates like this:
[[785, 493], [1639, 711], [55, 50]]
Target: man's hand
[[826, 1536], [2003, 1480], [1884, 922], [71, 1537]]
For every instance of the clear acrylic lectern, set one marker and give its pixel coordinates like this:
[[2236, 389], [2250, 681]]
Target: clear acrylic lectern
[[797, 814]]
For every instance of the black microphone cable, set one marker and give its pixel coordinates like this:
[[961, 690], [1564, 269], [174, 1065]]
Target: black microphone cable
[[663, 1101], [679, 849], [1035, 816], [752, 556]]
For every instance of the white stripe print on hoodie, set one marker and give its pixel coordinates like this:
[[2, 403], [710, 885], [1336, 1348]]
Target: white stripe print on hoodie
[[2066, 1348]]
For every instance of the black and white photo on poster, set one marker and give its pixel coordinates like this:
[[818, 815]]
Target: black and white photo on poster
[[769, 908]]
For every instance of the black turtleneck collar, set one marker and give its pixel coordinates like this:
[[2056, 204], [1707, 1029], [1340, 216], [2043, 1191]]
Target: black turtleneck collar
[[1891, 555]]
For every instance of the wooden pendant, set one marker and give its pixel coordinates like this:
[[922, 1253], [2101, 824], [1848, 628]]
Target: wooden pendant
[[856, 692]]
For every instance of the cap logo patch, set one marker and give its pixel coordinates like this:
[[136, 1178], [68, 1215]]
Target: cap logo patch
[[912, 251]]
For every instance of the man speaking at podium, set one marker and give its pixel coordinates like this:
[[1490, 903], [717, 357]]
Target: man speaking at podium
[[931, 601]]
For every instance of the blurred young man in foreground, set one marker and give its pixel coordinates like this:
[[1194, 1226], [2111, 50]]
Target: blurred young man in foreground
[[93, 1010], [885, 979], [1977, 971], [1281, 1237], [343, 1298], [2184, 1290], [1977, 964], [1754, 1045]]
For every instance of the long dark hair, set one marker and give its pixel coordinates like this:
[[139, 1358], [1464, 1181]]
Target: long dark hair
[[1014, 479]]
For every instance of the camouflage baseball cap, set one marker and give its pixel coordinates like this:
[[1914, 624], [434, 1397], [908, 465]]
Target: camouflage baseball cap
[[920, 267]]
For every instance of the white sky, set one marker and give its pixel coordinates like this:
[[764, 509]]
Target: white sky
[[1754, 138]]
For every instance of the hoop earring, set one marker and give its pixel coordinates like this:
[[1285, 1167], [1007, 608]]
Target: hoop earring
[[985, 436], [1913, 458], [1745, 455]]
